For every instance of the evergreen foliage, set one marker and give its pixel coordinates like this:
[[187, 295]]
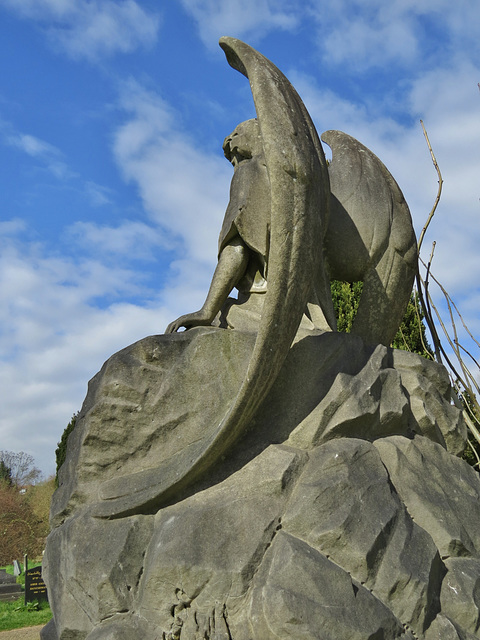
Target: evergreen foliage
[[411, 335], [345, 298], [472, 450], [5, 474], [61, 450]]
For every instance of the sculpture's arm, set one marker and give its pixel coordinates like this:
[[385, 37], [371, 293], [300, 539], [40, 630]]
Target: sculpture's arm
[[231, 266], [299, 206]]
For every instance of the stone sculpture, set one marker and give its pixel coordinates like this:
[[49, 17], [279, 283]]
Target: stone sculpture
[[262, 476]]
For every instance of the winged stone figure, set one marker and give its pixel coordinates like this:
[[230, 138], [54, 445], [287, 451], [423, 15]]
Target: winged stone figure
[[291, 224]]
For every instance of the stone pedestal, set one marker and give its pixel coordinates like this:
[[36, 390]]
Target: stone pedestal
[[343, 512]]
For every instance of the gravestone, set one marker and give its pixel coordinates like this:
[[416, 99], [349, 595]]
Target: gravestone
[[35, 587], [17, 570], [9, 589]]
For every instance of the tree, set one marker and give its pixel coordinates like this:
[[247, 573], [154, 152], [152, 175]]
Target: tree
[[22, 467], [5, 474], [345, 298], [18, 526], [39, 498], [411, 334], [61, 450]]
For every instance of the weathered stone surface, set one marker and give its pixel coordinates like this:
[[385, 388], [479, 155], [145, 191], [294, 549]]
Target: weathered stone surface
[[460, 597], [272, 481], [9, 589], [428, 387], [343, 505], [157, 387], [334, 491], [379, 393], [440, 492], [93, 569], [146, 412], [443, 628], [305, 595], [207, 549]]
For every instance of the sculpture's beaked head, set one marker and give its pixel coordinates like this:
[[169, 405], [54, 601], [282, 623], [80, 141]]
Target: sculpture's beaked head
[[244, 142]]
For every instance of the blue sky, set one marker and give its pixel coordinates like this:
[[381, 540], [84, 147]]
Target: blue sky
[[112, 177]]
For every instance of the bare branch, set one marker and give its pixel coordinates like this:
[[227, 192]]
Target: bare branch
[[417, 313], [440, 185], [472, 427], [477, 464], [22, 467], [470, 356], [453, 304], [463, 384]]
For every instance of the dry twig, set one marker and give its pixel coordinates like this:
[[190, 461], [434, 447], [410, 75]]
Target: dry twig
[[465, 384]]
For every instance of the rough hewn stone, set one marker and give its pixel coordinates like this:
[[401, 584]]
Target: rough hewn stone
[[314, 509], [440, 492], [93, 569], [460, 596], [303, 594], [343, 505]]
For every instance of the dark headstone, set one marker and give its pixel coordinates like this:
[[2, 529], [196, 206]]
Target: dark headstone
[[9, 589], [35, 587]]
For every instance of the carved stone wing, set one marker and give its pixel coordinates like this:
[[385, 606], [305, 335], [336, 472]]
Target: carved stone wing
[[370, 236], [300, 199]]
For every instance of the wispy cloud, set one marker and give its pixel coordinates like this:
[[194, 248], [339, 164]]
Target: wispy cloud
[[63, 311], [361, 35], [249, 19], [61, 317], [47, 154], [33, 146], [129, 240], [49, 158], [99, 196], [91, 29], [183, 188], [448, 101], [53, 335]]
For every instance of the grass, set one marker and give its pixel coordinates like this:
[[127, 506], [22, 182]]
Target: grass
[[17, 614]]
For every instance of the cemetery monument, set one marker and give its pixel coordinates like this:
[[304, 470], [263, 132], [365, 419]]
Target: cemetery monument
[[261, 476]]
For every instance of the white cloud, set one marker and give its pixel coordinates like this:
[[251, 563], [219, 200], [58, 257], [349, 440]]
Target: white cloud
[[91, 29], [11, 227], [250, 19], [362, 44], [447, 100], [46, 153], [60, 318], [98, 195], [53, 337], [361, 35], [184, 189], [50, 158], [54, 334], [33, 146], [136, 240]]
